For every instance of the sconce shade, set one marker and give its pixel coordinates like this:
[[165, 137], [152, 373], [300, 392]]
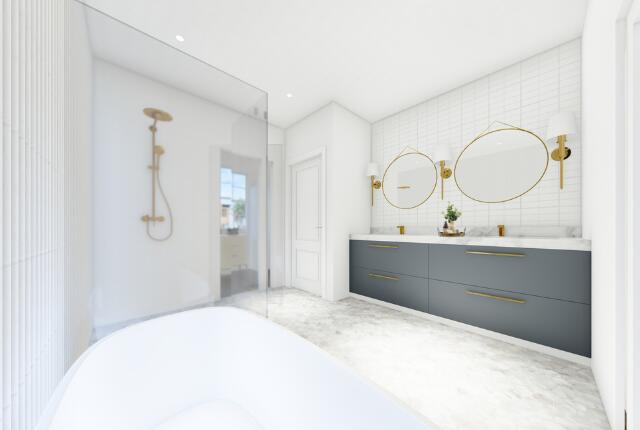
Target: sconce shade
[[372, 169], [442, 152], [561, 124]]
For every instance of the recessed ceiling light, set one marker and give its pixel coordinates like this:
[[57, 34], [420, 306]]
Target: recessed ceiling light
[[289, 95], [179, 38]]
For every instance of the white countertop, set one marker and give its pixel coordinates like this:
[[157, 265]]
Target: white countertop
[[566, 243]]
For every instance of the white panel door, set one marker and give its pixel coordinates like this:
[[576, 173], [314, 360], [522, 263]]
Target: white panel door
[[307, 228]]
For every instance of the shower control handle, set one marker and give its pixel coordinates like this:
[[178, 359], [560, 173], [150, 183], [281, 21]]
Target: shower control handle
[[147, 218]]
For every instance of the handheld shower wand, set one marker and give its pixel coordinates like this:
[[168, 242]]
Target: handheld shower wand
[[156, 152]]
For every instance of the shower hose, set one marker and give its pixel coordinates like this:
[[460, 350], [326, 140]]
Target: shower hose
[[166, 202]]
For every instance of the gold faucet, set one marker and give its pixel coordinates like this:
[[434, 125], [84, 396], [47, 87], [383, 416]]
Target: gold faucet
[[401, 227], [500, 230]]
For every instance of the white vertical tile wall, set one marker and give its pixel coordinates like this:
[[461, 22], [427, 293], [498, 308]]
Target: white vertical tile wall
[[525, 94], [45, 210]]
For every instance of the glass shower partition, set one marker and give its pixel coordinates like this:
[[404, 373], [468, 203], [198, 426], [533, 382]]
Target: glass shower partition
[[179, 180], [244, 259]]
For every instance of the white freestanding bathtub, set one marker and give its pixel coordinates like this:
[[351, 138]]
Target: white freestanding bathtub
[[217, 368]]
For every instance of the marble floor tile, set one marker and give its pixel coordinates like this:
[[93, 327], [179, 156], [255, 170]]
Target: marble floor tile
[[457, 379]]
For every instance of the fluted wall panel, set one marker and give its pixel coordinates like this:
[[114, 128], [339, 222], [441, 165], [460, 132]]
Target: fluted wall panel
[[45, 214]]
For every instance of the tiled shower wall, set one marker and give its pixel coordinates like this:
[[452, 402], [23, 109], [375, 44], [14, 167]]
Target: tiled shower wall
[[525, 94]]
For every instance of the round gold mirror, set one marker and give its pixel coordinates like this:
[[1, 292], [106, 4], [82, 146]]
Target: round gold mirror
[[409, 180], [501, 165]]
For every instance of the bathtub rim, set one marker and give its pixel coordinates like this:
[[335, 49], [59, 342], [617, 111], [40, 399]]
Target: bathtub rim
[[49, 412]]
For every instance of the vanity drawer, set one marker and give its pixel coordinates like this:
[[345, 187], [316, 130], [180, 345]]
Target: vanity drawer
[[555, 323], [408, 291], [557, 274], [396, 257]]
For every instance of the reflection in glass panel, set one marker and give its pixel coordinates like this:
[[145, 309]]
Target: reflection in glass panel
[[226, 176], [243, 238], [225, 190], [232, 199]]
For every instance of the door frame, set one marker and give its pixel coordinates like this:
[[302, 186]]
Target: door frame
[[290, 164]]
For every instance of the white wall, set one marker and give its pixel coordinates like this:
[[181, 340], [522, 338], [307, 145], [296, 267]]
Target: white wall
[[348, 194], [525, 94], [632, 349], [346, 139], [135, 276], [310, 133], [603, 199], [45, 210]]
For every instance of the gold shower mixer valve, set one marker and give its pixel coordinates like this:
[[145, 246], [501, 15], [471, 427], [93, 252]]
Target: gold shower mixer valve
[[148, 218]]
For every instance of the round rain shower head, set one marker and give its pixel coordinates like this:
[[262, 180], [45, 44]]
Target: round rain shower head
[[157, 114]]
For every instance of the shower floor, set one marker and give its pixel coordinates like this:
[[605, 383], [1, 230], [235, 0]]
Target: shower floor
[[238, 281], [233, 286]]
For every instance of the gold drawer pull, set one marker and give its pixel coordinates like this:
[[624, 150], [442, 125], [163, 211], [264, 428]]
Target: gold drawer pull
[[388, 278], [490, 296], [495, 254], [383, 246]]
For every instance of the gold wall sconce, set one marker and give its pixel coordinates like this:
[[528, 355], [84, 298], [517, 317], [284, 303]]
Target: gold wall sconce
[[372, 172], [442, 154], [561, 125]]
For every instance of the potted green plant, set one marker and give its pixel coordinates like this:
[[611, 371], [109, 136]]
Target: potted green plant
[[451, 215], [239, 211]]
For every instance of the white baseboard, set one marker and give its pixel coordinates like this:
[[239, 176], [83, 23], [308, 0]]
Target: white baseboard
[[575, 358]]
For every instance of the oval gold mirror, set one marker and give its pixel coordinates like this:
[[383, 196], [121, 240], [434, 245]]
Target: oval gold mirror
[[501, 165], [409, 180]]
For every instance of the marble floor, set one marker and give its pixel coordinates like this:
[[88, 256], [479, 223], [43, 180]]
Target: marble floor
[[458, 380]]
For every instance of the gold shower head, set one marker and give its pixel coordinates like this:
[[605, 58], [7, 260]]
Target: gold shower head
[[157, 114]]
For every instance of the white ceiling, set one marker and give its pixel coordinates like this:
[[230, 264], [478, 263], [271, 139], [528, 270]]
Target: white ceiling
[[122, 45], [375, 57]]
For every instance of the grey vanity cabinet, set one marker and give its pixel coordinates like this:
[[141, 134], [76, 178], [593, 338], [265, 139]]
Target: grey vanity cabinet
[[402, 290], [396, 257], [556, 323], [395, 272], [539, 295], [557, 274]]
